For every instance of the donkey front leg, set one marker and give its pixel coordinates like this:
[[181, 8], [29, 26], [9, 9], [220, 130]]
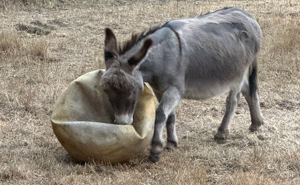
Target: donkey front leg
[[231, 102], [172, 139], [169, 101]]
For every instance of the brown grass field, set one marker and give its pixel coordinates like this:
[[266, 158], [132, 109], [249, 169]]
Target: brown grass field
[[64, 39]]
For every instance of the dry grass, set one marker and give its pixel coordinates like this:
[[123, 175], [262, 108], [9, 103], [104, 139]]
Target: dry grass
[[35, 69], [288, 38]]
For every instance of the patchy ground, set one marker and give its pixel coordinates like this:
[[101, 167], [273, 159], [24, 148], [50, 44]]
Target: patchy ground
[[44, 47]]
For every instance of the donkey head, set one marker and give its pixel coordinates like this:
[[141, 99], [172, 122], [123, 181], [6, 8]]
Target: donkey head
[[121, 81]]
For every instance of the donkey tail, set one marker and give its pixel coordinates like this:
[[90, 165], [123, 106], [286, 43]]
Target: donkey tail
[[253, 79]]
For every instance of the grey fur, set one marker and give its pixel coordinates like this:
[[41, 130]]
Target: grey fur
[[195, 58]]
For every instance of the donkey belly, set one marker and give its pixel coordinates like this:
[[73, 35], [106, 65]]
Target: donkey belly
[[206, 90]]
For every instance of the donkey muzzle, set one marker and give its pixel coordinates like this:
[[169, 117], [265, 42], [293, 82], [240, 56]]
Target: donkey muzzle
[[123, 119]]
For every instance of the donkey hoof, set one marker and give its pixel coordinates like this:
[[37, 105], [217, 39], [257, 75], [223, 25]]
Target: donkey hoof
[[154, 158], [254, 127], [171, 145], [220, 138]]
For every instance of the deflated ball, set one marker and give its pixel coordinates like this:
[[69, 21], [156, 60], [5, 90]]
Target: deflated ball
[[82, 120]]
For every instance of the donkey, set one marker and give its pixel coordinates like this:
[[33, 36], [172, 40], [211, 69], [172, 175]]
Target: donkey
[[194, 58]]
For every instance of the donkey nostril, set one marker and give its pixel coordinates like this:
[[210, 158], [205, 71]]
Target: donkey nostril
[[119, 123], [123, 119], [116, 122]]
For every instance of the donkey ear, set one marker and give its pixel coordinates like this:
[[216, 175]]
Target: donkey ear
[[110, 41], [137, 58], [110, 46]]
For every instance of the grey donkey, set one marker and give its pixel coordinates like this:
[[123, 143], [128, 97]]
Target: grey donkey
[[194, 58]]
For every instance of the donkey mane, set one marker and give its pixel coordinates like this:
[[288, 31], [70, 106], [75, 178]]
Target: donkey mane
[[135, 38]]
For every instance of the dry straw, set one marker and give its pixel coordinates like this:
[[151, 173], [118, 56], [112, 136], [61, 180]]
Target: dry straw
[[34, 70]]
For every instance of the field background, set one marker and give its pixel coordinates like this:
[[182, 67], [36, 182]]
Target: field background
[[44, 45]]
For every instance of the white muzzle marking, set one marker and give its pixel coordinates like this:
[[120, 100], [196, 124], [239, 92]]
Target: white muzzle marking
[[123, 119]]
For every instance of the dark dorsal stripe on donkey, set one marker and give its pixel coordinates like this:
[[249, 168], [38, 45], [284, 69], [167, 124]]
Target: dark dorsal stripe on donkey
[[194, 58]]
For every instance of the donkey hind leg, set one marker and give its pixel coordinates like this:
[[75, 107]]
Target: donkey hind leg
[[231, 102], [172, 139], [168, 102], [249, 91]]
